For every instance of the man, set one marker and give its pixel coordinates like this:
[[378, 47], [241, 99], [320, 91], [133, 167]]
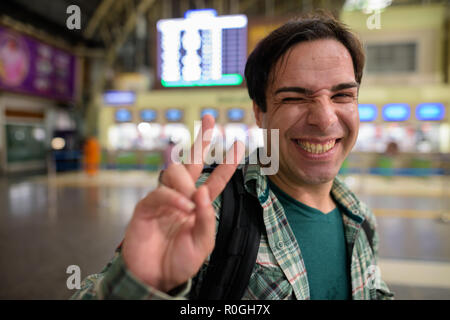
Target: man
[[303, 79]]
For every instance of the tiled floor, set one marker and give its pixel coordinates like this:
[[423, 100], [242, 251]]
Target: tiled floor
[[49, 223]]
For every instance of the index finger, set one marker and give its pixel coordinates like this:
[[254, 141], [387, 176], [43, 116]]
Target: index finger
[[200, 146], [219, 178]]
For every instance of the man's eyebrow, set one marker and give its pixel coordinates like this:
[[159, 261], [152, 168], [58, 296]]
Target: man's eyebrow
[[338, 87], [346, 85], [294, 89]]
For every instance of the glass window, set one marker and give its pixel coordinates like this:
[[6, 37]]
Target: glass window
[[391, 57]]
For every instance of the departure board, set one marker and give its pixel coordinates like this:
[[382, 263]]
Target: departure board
[[202, 49]]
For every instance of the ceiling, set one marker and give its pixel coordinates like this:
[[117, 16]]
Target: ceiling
[[103, 20], [50, 16], [109, 27]]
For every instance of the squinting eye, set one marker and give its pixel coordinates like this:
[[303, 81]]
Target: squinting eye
[[346, 96], [342, 95]]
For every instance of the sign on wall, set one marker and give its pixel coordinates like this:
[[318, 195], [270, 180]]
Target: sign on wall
[[33, 67]]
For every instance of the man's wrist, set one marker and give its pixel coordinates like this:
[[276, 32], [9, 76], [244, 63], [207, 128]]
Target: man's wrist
[[121, 283]]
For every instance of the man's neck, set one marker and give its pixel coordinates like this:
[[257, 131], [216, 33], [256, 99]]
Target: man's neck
[[317, 196]]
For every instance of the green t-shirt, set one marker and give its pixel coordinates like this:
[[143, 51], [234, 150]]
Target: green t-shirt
[[322, 245]]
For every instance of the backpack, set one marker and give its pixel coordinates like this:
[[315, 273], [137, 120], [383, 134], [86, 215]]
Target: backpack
[[237, 242]]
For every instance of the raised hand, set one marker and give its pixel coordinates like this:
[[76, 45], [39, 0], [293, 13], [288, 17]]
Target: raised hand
[[172, 229]]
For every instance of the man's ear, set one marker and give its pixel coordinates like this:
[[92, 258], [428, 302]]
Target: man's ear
[[258, 114]]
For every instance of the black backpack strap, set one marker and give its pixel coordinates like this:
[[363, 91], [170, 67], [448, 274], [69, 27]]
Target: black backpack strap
[[237, 243], [365, 226], [369, 232], [209, 168]]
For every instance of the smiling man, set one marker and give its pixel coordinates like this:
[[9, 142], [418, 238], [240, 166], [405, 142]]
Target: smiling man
[[312, 99], [317, 240]]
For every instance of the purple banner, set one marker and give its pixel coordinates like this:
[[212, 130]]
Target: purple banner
[[33, 67]]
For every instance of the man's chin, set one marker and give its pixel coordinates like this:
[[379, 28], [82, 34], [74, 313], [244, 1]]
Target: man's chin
[[317, 179], [312, 176]]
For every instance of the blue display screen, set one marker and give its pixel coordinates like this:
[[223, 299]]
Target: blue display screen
[[396, 112], [235, 114], [148, 115], [210, 111], [367, 112], [119, 98], [123, 115], [174, 115], [430, 111]]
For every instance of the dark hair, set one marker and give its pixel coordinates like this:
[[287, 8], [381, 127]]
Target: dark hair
[[319, 25]]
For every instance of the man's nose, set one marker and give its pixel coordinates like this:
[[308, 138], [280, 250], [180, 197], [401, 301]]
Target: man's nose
[[322, 113]]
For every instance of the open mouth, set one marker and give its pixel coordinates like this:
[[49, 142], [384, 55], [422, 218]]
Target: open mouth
[[317, 147]]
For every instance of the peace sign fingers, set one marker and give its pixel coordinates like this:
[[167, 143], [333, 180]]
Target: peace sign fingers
[[200, 147], [219, 178]]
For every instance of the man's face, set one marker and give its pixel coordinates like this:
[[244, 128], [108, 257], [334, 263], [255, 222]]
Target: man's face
[[312, 100]]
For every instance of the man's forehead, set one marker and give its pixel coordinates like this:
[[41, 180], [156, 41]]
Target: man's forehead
[[321, 49], [314, 65]]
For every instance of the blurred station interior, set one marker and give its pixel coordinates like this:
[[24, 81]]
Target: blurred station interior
[[93, 91]]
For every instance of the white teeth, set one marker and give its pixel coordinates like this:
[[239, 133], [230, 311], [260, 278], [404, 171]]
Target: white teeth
[[316, 148], [319, 148]]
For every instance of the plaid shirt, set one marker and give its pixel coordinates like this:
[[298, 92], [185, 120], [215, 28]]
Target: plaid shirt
[[279, 272]]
